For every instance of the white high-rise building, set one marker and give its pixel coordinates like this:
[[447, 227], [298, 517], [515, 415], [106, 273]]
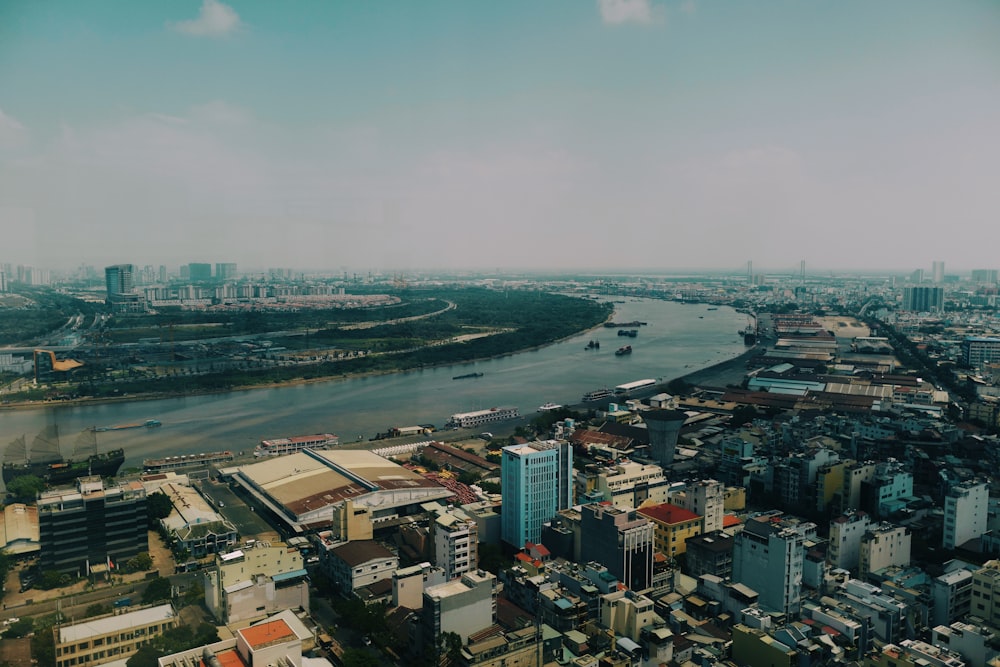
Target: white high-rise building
[[705, 498], [768, 556], [846, 533], [965, 513], [938, 268]]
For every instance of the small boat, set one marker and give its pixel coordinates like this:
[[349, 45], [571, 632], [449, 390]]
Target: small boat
[[468, 375], [597, 394], [548, 407], [149, 423], [593, 345], [623, 351]]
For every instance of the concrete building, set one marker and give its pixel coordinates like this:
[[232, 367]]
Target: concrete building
[[463, 606], [626, 484], [966, 507], [409, 584], [537, 481], [626, 613], [951, 593], [673, 526], [225, 271], [115, 637], [19, 535], [119, 281], [454, 537], [91, 525], [977, 644], [768, 556], [709, 554], [883, 545], [846, 533], [355, 564], [706, 498], [199, 272], [621, 540], [664, 428], [978, 351], [985, 599], [257, 580], [923, 299], [279, 640]]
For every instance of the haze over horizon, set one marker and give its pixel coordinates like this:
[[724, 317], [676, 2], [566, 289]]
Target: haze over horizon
[[565, 135]]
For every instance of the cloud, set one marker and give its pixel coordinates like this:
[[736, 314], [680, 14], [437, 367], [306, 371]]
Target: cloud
[[626, 11], [215, 19], [12, 133]]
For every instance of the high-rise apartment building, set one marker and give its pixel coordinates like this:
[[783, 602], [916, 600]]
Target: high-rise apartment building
[[619, 539], [768, 556], [225, 271], [965, 512], [199, 273], [984, 276], [923, 299], [455, 539], [706, 498], [846, 533], [537, 481], [91, 526], [938, 270]]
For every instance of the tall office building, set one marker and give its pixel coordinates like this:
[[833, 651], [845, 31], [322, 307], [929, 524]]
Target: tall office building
[[664, 427], [619, 539], [119, 279], [965, 511], [768, 555], [938, 269], [923, 299], [537, 482], [979, 350], [91, 526]]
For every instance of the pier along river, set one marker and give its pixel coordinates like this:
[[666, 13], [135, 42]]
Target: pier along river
[[678, 339]]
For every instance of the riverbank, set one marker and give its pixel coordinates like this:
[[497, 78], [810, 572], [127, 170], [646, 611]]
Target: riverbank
[[156, 396], [723, 374]]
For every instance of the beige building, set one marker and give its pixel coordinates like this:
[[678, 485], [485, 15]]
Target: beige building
[[258, 579], [884, 545], [96, 641]]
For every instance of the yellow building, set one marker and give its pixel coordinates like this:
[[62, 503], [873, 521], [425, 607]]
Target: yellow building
[[673, 526], [96, 641], [829, 484]]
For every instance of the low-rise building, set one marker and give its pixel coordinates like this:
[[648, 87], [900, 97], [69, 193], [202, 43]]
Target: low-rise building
[[355, 564], [258, 579], [196, 527], [96, 641]]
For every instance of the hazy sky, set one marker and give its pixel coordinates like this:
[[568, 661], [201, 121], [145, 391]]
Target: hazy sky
[[485, 133]]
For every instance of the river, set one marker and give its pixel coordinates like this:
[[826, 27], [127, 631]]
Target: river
[[679, 339]]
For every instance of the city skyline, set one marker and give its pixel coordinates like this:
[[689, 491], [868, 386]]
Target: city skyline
[[601, 136]]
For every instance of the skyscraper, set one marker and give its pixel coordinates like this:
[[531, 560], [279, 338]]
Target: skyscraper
[[768, 555], [938, 269], [225, 271], [199, 273], [119, 279], [619, 539], [923, 299], [537, 482]]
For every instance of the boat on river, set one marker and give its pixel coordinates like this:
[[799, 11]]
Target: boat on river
[[627, 349], [597, 394], [149, 423], [548, 407], [468, 375]]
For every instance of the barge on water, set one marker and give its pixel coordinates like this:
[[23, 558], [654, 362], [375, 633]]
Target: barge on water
[[186, 461], [480, 417]]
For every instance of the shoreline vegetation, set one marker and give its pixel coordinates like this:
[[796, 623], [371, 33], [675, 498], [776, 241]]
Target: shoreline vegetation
[[524, 321]]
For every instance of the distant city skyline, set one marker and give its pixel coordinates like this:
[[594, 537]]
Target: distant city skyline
[[613, 135]]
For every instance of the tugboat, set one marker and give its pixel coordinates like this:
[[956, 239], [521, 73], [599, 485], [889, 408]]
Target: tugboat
[[623, 351], [593, 345]]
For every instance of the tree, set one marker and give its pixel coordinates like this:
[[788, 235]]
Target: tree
[[356, 657], [158, 589], [97, 609], [21, 628], [158, 506], [141, 562], [26, 486]]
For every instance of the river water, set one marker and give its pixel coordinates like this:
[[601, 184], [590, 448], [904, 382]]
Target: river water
[[678, 340]]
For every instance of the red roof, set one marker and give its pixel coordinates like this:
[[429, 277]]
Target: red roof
[[669, 514], [730, 520], [267, 634]]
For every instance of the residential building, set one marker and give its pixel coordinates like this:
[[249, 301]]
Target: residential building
[[199, 272], [846, 533], [626, 613], [768, 556], [988, 276], [985, 598], [709, 553], [95, 641], [91, 526], [279, 640], [409, 583], [621, 540], [195, 526], [463, 606], [355, 564], [966, 507], [537, 481], [977, 644], [674, 525], [256, 580], [951, 593], [455, 539], [923, 299], [225, 271], [883, 545], [706, 498], [625, 484]]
